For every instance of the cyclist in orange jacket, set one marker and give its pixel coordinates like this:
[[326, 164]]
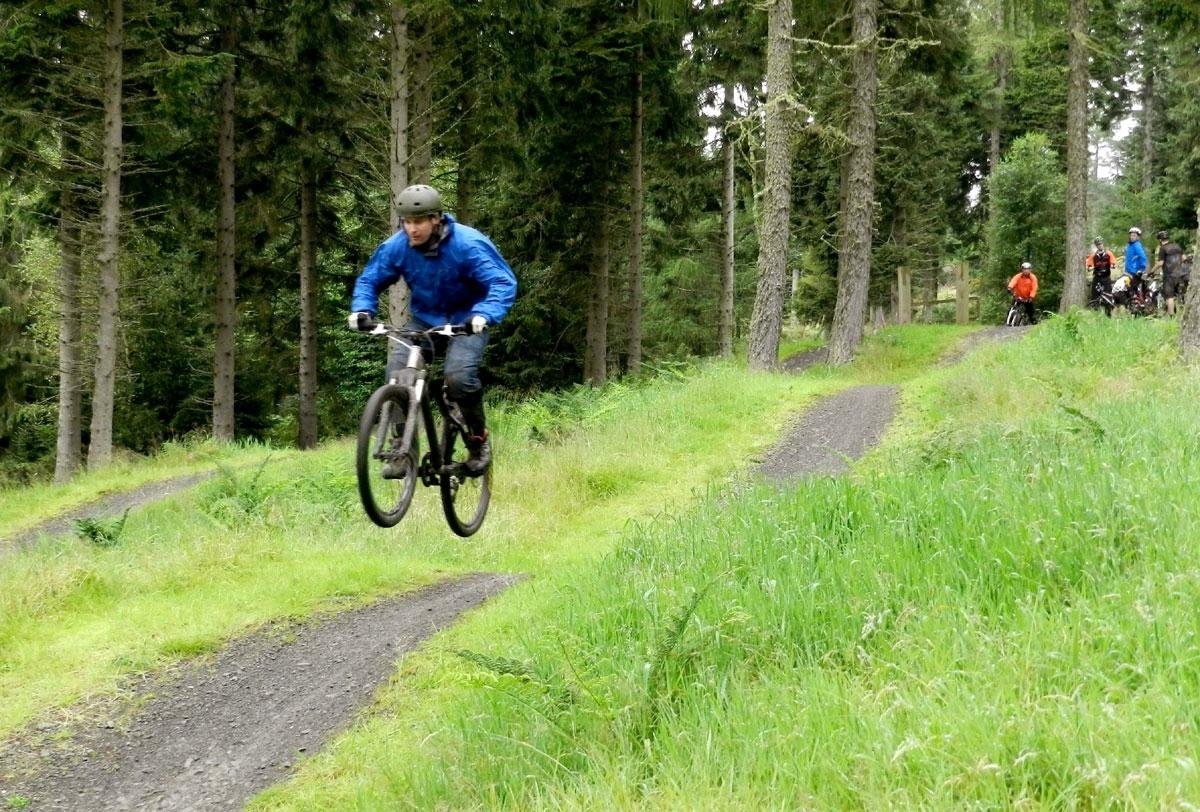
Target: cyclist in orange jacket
[[1023, 287]]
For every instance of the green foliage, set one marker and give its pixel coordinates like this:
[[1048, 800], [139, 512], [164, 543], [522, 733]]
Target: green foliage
[[1014, 562], [101, 532], [1028, 223], [235, 496]]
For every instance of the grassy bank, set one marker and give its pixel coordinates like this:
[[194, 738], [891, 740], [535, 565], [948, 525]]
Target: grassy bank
[[23, 508], [286, 538], [998, 609]]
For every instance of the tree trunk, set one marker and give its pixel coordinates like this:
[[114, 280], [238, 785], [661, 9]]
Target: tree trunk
[[854, 255], [595, 366], [637, 193], [421, 121], [1074, 284], [398, 148], [767, 319], [468, 99], [1189, 321], [1148, 122], [101, 443], [226, 311], [68, 454], [728, 206], [308, 307], [1000, 61]]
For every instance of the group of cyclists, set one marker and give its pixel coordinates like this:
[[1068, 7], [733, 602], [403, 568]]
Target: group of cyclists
[[1131, 288]]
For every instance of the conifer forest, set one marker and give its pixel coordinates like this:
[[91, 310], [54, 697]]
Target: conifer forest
[[188, 190]]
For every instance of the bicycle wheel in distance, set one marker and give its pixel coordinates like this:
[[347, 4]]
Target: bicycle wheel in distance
[[464, 498], [380, 434]]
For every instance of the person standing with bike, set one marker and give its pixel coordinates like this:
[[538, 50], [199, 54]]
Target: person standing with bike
[[1135, 263], [1170, 261], [1023, 287], [455, 275], [1100, 263]]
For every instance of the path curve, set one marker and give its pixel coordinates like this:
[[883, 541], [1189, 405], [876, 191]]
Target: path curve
[[836, 430], [226, 728], [112, 505]]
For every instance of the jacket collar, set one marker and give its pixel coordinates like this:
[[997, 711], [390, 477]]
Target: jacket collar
[[430, 251]]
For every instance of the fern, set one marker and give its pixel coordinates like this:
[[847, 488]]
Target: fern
[[101, 532]]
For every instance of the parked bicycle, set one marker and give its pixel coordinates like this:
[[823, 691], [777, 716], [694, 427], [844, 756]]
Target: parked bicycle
[[389, 461], [1101, 297], [1143, 300]]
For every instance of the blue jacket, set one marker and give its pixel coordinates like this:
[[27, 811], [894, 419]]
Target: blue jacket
[[1135, 258], [463, 277]]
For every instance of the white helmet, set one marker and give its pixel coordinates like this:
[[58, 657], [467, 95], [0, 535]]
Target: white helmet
[[1135, 230]]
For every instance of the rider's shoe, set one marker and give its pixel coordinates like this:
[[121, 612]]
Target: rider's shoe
[[394, 470], [480, 453]]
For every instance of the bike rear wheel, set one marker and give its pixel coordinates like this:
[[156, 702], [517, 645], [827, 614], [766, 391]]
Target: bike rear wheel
[[464, 498], [380, 437]]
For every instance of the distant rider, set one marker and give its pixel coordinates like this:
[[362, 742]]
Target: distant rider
[[1135, 262], [1023, 286], [455, 276], [1100, 263], [1170, 261]]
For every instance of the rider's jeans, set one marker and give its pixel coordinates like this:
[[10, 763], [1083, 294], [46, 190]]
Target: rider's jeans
[[463, 356]]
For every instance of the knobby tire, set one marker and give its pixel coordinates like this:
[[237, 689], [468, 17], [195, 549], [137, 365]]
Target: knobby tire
[[382, 427], [464, 498]]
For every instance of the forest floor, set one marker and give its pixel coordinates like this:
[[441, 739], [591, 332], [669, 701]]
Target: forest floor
[[217, 730]]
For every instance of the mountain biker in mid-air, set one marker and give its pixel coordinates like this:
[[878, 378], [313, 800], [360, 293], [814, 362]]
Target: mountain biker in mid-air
[[1135, 262], [1023, 287], [1170, 261], [1100, 263], [455, 275]]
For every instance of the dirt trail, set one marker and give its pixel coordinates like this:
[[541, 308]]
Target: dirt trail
[[221, 730], [113, 505], [836, 430]]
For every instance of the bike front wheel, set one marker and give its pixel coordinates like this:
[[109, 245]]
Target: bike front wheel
[[464, 498], [387, 474]]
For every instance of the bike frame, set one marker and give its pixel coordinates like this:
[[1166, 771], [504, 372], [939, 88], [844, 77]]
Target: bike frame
[[414, 376]]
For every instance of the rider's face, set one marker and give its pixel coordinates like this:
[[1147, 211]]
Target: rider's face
[[420, 229]]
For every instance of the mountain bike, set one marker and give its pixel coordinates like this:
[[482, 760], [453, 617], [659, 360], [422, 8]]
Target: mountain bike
[[1101, 297], [389, 462], [1017, 317]]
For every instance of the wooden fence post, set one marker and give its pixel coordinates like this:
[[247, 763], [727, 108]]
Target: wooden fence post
[[962, 294], [904, 295]]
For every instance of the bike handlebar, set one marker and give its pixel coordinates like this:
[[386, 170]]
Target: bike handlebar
[[382, 328]]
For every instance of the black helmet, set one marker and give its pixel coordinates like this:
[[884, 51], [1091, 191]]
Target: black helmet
[[419, 200], [1162, 235]]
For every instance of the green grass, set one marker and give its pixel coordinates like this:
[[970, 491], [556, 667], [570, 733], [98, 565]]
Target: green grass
[[999, 609], [593, 490], [22, 508]]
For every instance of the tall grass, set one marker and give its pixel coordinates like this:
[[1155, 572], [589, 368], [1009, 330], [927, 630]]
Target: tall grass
[[1000, 609], [22, 508], [285, 536]]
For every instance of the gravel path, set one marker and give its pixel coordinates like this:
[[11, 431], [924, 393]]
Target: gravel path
[[987, 334], [836, 430], [113, 505], [221, 730]]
